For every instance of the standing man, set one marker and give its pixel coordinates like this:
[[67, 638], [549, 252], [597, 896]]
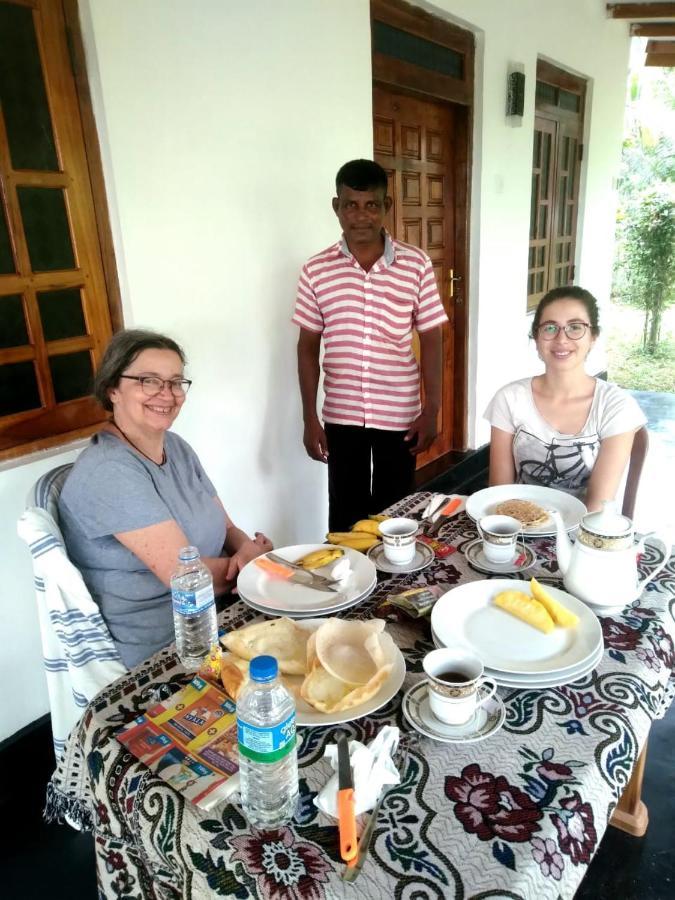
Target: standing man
[[363, 296]]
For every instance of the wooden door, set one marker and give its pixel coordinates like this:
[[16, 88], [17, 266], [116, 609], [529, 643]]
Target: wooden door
[[413, 142]]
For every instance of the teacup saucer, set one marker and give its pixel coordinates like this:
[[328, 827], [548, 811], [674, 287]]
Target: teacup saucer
[[486, 720], [423, 557], [476, 558]]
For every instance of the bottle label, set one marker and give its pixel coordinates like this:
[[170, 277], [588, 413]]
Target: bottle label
[[266, 745], [191, 603]]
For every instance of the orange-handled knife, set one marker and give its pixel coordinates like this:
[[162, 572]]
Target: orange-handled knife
[[450, 507], [345, 804]]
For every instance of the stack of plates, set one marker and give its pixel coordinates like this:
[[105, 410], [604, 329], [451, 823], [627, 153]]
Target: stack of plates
[[514, 653], [276, 597]]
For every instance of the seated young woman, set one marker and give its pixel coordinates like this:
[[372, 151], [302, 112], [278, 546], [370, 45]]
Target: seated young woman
[[564, 429], [138, 493]]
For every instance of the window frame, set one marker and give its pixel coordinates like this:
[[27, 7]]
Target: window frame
[[80, 175]]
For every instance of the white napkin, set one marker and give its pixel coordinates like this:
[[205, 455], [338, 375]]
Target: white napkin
[[372, 768], [340, 570]]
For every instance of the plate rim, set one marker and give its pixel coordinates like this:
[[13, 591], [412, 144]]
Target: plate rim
[[527, 487], [307, 614], [517, 584]]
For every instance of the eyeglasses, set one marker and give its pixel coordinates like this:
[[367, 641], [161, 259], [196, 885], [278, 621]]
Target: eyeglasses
[[549, 331], [152, 385]]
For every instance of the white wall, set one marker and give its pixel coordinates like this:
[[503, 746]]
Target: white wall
[[222, 125]]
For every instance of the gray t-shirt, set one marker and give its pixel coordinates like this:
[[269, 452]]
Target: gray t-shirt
[[112, 489]]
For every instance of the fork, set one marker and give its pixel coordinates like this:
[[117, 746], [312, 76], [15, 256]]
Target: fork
[[405, 744]]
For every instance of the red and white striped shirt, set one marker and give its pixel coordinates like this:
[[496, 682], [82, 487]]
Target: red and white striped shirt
[[371, 376]]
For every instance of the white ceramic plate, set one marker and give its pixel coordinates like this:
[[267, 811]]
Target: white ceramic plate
[[467, 616], [423, 557], [281, 597], [487, 719], [483, 503], [326, 611], [540, 682]]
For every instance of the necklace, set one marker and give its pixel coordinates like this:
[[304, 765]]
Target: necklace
[[129, 441]]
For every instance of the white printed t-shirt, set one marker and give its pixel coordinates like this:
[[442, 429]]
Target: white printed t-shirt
[[546, 457]]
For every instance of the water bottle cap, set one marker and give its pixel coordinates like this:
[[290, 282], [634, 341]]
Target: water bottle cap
[[187, 553], [263, 668]]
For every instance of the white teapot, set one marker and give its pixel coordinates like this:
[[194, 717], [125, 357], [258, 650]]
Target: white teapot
[[601, 566]]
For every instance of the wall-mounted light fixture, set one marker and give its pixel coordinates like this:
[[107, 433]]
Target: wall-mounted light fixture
[[515, 93]]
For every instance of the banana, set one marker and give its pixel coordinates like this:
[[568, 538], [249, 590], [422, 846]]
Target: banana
[[379, 518], [356, 540], [318, 558], [367, 525]]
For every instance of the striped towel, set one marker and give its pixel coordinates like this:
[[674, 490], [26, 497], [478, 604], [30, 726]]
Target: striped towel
[[80, 657]]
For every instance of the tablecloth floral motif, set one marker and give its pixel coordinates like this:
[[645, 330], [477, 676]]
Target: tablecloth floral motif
[[518, 815]]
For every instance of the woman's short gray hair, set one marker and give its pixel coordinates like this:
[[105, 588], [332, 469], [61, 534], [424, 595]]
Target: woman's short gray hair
[[122, 350]]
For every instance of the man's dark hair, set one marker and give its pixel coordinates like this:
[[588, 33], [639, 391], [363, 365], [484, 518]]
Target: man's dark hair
[[122, 350], [361, 175]]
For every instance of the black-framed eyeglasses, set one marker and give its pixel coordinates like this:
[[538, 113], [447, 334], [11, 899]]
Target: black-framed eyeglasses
[[152, 385], [549, 331]]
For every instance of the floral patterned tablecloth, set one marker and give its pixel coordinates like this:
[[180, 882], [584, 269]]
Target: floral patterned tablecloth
[[518, 815]]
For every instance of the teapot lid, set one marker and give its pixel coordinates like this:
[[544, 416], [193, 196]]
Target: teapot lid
[[607, 521]]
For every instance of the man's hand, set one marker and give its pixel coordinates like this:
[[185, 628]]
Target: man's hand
[[423, 431], [314, 439]]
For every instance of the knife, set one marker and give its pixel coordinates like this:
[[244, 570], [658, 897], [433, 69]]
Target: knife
[[444, 515], [306, 579], [345, 804], [296, 568], [351, 873]]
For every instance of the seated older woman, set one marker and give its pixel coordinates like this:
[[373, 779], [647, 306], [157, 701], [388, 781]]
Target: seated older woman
[[138, 493], [564, 429]]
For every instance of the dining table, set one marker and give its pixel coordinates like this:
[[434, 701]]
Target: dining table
[[519, 814]]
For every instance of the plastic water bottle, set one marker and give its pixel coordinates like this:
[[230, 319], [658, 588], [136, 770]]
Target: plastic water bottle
[[194, 609], [268, 758]]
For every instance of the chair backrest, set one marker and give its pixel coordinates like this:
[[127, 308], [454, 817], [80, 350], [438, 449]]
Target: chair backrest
[[79, 655], [635, 465]]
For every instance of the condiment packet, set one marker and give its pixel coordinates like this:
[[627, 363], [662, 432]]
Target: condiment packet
[[441, 548], [417, 601]]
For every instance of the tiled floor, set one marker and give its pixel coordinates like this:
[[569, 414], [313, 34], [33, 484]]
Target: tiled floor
[[40, 861]]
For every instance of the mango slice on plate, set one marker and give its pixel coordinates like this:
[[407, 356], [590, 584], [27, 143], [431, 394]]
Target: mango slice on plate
[[526, 608], [559, 613]]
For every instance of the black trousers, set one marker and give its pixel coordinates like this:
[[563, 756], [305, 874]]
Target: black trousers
[[368, 469]]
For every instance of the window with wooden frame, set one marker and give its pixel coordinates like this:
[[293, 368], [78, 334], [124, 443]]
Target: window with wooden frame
[[556, 164], [55, 291]]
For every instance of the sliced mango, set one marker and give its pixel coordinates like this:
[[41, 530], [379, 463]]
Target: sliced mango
[[559, 613], [526, 608]]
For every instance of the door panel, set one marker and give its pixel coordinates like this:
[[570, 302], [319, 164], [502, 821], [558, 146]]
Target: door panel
[[413, 142]]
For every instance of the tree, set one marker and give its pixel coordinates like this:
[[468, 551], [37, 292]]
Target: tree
[[648, 259]]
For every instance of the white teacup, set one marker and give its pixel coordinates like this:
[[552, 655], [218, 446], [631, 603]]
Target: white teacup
[[500, 536], [399, 537], [455, 676]]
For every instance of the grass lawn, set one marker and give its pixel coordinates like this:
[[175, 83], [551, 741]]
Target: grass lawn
[[627, 365]]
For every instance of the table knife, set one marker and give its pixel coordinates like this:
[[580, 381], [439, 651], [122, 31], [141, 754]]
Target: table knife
[[301, 577], [329, 582], [352, 871], [445, 514], [345, 804]]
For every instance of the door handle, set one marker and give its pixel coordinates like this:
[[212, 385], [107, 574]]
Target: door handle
[[452, 278]]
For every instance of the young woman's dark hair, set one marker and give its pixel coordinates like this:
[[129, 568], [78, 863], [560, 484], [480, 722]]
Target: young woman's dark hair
[[569, 293], [122, 350], [361, 175]]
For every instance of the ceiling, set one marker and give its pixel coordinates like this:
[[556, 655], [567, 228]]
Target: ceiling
[[654, 21]]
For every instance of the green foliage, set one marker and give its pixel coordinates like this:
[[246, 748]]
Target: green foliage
[[648, 260], [631, 367]]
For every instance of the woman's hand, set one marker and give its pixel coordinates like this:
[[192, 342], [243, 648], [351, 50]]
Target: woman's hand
[[248, 550]]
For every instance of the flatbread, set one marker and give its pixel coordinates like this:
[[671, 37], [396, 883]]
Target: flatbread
[[329, 694], [524, 510], [234, 677], [350, 649], [280, 638]]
